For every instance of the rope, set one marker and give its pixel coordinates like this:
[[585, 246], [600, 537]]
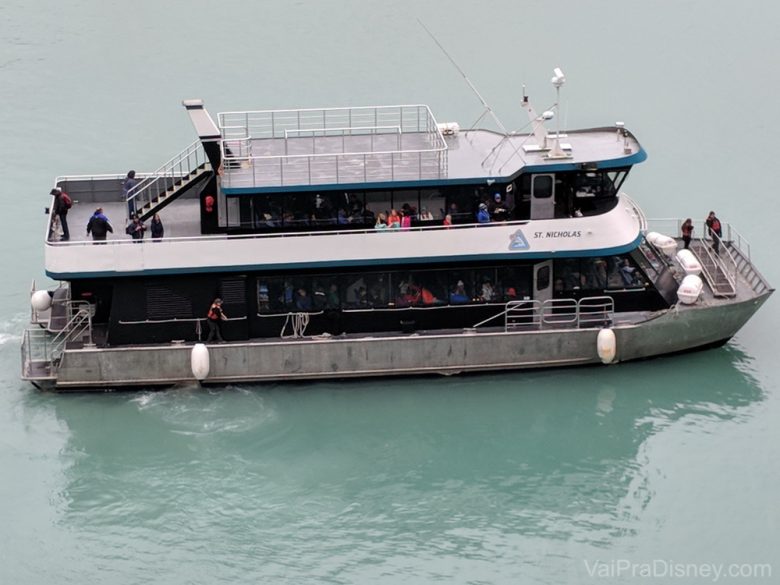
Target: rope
[[299, 322]]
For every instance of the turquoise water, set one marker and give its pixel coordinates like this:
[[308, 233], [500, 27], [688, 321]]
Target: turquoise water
[[513, 478]]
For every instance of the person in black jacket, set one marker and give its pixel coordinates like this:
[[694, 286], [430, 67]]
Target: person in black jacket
[[99, 226], [60, 209], [158, 230]]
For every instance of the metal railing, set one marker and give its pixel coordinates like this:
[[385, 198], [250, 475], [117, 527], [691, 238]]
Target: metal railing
[[44, 349], [725, 261], [320, 146], [170, 175], [535, 314]]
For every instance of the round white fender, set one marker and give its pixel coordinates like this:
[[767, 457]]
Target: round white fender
[[606, 345], [40, 300], [664, 243], [199, 358]]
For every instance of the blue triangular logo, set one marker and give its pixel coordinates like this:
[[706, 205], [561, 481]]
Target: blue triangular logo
[[518, 241]]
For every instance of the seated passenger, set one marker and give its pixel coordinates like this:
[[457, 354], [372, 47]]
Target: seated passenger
[[362, 297], [393, 220], [483, 216], [412, 295], [319, 297], [426, 215], [458, 295], [381, 222], [428, 298], [302, 300], [628, 273], [447, 221], [498, 211], [488, 293]]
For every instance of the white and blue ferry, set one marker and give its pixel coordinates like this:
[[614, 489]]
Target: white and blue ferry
[[512, 251]]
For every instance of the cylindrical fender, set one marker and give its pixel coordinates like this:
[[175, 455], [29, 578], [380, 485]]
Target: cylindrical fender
[[606, 345], [199, 359]]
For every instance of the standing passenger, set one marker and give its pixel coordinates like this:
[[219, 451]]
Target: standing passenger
[[99, 226], [135, 229], [61, 205], [687, 232], [158, 230], [213, 318], [127, 190], [714, 228]]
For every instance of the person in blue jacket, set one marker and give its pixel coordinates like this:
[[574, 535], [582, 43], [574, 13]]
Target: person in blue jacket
[[483, 215]]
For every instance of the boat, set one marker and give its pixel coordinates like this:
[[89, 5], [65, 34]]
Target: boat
[[374, 241]]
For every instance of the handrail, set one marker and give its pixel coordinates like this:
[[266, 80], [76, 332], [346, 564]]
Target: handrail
[[587, 311], [175, 169]]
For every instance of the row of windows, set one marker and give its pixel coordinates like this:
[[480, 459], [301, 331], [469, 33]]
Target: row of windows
[[393, 289], [576, 191], [432, 288]]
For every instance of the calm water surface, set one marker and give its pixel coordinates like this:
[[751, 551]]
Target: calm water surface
[[515, 478]]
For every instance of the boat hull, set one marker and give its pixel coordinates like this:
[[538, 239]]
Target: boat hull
[[664, 332]]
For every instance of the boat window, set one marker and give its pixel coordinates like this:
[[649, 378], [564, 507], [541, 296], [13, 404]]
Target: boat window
[[379, 202], [462, 203], [514, 283], [486, 285], [542, 186], [267, 212], [623, 273], [365, 290], [460, 287], [432, 201], [543, 278]]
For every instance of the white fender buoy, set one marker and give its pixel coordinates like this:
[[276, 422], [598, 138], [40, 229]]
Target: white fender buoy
[[690, 289], [199, 359], [689, 262], [664, 243], [606, 346], [40, 300]]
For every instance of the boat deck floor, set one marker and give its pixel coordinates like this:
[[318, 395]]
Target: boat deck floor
[[182, 219]]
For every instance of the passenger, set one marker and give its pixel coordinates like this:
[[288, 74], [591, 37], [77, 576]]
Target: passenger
[[406, 220], [428, 298], [381, 222], [511, 294], [458, 295], [483, 216], [60, 210], [412, 294], [362, 297], [158, 230], [99, 226], [393, 220], [341, 217], [488, 293], [302, 300], [320, 298], [333, 297], [288, 294], [715, 231], [498, 211], [135, 229], [628, 273], [213, 319], [447, 221], [128, 185], [687, 231], [426, 215]]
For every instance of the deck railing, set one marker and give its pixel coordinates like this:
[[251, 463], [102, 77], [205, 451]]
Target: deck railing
[[725, 261], [332, 145], [536, 314]]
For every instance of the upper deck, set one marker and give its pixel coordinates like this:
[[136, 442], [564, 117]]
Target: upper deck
[[391, 145]]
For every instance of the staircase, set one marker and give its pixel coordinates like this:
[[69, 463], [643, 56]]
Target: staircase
[[42, 350], [172, 180], [720, 277]]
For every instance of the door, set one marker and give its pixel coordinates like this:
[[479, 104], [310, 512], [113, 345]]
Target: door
[[543, 281], [542, 196]]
